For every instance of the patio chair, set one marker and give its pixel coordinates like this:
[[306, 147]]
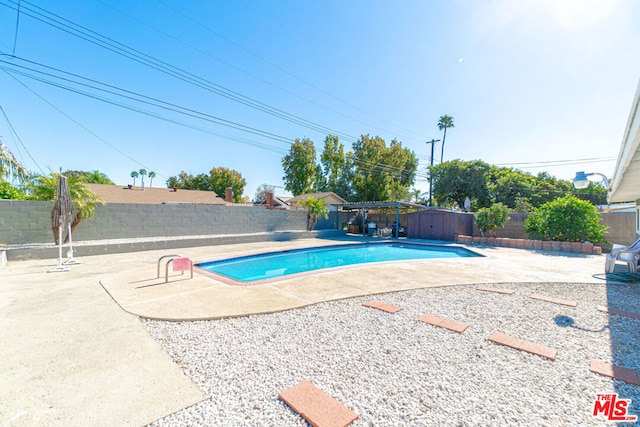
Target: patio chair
[[628, 254]]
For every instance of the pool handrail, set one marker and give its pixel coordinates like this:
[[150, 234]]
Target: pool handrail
[[166, 268], [163, 257]]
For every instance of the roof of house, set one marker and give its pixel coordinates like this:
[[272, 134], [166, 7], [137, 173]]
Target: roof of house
[[124, 194], [322, 195], [625, 185]]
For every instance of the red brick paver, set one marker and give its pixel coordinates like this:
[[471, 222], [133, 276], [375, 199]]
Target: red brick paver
[[555, 300], [520, 344], [498, 290], [317, 407], [389, 308], [443, 323], [619, 312], [619, 373]]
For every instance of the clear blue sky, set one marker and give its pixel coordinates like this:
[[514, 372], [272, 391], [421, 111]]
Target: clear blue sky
[[526, 81]]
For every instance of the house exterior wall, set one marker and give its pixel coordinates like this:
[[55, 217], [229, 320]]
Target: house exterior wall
[[25, 222]]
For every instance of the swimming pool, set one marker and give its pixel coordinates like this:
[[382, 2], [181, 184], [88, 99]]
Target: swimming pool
[[277, 264]]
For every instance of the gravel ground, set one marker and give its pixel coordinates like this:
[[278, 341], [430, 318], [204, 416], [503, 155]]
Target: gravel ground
[[393, 370]]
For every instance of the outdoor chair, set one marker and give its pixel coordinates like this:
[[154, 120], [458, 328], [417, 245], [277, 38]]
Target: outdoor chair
[[628, 254]]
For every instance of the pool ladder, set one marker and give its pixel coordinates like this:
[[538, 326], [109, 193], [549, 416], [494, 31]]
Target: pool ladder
[[166, 266]]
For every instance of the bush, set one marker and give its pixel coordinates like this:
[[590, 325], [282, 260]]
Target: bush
[[488, 219], [9, 192], [566, 219]]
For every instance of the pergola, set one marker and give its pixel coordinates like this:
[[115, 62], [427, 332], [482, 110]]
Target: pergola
[[363, 206]]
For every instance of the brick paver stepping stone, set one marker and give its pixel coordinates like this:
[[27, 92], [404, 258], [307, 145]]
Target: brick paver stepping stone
[[443, 323], [389, 308], [619, 312], [317, 407], [617, 372], [498, 290], [519, 344], [555, 300]]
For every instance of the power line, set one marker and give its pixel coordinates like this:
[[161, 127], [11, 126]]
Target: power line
[[15, 35], [121, 49], [14, 133], [283, 70], [234, 67]]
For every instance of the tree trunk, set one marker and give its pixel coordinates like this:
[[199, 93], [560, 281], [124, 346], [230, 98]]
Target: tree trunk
[[444, 137], [308, 221], [315, 221]]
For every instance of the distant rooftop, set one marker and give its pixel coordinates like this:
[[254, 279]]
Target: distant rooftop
[[152, 196]]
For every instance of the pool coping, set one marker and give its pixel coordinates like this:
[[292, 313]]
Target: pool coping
[[139, 292], [235, 282]]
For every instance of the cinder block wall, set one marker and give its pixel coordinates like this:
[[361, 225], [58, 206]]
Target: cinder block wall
[[621, 227], [24, 222]]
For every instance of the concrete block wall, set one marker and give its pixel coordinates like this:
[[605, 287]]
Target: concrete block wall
[[24, 222]]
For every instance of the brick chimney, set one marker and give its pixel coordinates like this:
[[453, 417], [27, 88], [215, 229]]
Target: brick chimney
[[228, 195], [270, 199]]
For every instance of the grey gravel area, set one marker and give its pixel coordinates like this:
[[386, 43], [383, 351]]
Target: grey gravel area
[[393, 370]]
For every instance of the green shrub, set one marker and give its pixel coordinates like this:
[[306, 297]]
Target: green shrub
[[566, 219], [488, 219], [9, 192]]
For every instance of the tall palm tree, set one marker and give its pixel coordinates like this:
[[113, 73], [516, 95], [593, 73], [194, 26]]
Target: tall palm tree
[[134, 175], [151, 175], [143, 173], [444, 123]]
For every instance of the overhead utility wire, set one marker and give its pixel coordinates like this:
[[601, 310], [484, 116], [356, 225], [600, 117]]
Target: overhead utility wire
[[114, 90], [121, 49], [135, 109], [15, 134], [276, 66], [15, 35], [265, 81], [74, 121], [161, 104]]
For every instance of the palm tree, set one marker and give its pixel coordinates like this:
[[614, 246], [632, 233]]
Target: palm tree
[[134, 175], [444, 123], [142, 173], [83, 200], [151, 175], [314, 207]]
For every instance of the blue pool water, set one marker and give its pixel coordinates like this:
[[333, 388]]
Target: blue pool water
[[277, 264]]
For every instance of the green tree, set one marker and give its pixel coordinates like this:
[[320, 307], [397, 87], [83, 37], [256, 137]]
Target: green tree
[[91, 177], [455, 180], [221, 178], [333, 162], [567, 219], [7, 191], [382, 173], [151, 175], [488, 219], [445, 122], [315, 207], [300, 167], [134, 175], [84, 201]]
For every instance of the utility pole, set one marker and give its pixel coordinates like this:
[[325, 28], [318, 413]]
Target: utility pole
[[433, 143]]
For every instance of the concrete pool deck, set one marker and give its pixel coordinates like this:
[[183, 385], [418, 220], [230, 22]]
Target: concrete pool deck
[[140, 292], [71, 356]]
